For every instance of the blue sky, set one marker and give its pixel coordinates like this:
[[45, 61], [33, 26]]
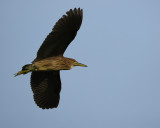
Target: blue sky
[[118, 40]]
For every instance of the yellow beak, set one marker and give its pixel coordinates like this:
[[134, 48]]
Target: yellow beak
[[22, 72]]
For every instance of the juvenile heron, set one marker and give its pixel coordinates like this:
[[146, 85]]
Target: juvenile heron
[[45, 76]]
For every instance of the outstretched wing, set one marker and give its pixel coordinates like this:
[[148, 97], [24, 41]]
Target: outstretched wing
[[46, 87], [61, 35]]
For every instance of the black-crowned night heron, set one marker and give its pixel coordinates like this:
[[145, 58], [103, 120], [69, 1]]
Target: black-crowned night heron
[[45, 77]]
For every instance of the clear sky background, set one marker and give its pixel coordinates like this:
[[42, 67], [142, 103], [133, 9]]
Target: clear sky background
[[119, 40]]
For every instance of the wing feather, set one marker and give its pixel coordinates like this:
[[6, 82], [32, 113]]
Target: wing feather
[[61, 35], [46, 87]]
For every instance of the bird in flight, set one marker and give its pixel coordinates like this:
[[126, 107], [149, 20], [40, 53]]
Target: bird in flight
[[45, 68]]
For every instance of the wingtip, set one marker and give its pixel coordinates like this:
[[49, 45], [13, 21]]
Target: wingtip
[[75, 11]]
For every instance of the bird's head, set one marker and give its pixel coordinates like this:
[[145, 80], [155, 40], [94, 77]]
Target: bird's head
[[25, 69]]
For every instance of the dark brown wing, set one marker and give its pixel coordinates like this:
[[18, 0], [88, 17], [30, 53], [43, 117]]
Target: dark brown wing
[[61, 35], [46, 87]]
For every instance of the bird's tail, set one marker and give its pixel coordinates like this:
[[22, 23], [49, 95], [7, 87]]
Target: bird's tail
[[25, 69]]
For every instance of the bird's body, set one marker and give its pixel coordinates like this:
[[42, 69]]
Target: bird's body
[[45, 77], [54, 63]]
